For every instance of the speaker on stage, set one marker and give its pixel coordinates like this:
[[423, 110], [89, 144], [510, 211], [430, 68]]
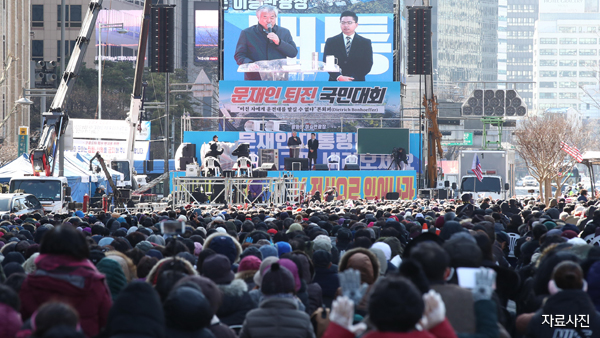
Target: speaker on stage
[[443, 193], [218, 195], [321, 166], [351, 166], [200, 197], [392, 196], [184, 161], [259, 173], [268, 166], [300, 163], [228, 173], [189, 150]]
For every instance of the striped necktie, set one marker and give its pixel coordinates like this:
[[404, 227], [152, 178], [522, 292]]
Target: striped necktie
[[348, 44]]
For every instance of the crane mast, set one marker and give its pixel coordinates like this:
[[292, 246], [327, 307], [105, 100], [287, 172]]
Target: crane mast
[[56, 119]]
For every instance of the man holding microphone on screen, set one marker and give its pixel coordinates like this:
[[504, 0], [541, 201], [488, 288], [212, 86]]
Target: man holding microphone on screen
[[264, 41]]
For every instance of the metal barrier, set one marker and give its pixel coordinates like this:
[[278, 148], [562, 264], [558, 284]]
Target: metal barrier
[[238, 190]]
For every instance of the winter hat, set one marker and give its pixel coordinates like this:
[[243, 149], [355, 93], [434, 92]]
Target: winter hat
[[186, 311], [387, 251], [217, 268], [282, 248], [115, 277], [225, 245], [268, 251], [12, 267], [96, 256], [13, 257], [156, 239], [569, 234], [11, 321], [322, 242], [264, 265], [154, 253], [144, 246], [321, 259], [197, 248], [211, 291], [249, 263], [105, 241], [450, 228], [251, 251], [136, 313], [277, 279], [294, 227], [132, 230], [293, 268]]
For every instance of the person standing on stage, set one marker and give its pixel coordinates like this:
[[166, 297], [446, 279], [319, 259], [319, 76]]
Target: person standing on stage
[[264, 41], [313, 146], [294, 141]]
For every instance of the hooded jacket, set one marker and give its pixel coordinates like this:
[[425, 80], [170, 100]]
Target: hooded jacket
[[159, 267], [277, 317], [137, 313], [232, 249], [236, 303], [366, 263], [570, 304], [72, 281]]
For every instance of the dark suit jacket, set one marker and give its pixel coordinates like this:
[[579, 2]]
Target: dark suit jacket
[[313, 145], [357, 64], [253, 45]]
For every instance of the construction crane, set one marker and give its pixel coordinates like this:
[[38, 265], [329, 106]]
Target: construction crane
[[43, 158], [116, 192], [134, 117]]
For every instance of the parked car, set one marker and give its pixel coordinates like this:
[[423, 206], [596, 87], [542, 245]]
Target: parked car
[[20, 204], [529, 181]]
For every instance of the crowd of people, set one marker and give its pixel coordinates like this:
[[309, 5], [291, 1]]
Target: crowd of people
[[422, 268]]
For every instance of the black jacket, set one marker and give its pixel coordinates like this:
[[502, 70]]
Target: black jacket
[[253, 45], [328, 279], [294, 141], [357, 64], [314, 146], [277, 317], [236, 303], [214, 150], [568, 303]]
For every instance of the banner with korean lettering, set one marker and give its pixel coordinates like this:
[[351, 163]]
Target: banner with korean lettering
[[359, 184], [240, 98], [110, 149], [340, 144], [310, 23]]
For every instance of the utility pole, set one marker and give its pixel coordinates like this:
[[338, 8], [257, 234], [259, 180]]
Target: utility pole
[[167, 143]]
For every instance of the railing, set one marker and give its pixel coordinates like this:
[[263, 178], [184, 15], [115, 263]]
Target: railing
[[300, 124]]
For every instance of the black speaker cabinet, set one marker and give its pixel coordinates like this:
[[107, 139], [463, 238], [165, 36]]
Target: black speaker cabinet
[[269, 166], [321, 166], [200, 197], [288, 162], [259, 173], [218, 195], [189, 150], [351, 166], [184, 161], [392, 196], [443, 193]]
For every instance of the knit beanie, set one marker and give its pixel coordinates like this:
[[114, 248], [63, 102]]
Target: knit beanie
[[115, 277], [249, 263], [277, 280]]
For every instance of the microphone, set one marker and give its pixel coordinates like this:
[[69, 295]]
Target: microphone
[[269, 28]]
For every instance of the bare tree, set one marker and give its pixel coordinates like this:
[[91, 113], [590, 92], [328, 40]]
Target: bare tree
[[538, 142], [8, 152]]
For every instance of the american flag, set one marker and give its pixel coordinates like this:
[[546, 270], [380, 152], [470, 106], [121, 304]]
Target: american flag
[[573, 151], [476, 167]]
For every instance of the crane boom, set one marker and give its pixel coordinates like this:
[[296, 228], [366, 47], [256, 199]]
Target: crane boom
[[56, 119]]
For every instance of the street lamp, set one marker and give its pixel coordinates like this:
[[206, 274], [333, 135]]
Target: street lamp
[[101, 26]]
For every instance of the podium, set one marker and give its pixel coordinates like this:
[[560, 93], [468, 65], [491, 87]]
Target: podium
[[295, 151], [288, 69]]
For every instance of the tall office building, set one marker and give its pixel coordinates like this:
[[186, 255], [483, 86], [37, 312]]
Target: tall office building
[[465, 40], [14, 64], [520, 25], [566, 55]]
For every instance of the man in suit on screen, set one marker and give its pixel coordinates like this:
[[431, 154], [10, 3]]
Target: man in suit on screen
[[353, 52]]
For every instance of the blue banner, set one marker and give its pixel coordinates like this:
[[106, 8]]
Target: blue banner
[[340, 144]]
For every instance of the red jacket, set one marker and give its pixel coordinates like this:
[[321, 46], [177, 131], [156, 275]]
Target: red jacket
[[442, 330], [78, 283]]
